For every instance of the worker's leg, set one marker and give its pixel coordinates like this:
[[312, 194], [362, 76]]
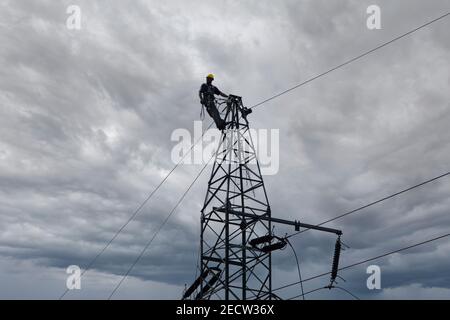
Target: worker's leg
[[214, 113]]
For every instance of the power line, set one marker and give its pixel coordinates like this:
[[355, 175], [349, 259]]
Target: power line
[[135, 213], [306, 293], [157, 231], [350, 61], [298, 268], [329, 288], [346, 290], [367, 260], [376, 202]]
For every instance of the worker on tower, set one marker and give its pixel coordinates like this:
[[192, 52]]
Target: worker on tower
[[206, 93]]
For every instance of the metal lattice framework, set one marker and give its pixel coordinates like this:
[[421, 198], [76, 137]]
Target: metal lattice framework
[[235, 188], [236, 223]]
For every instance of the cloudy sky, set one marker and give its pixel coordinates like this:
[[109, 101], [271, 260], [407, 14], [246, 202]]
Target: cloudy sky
[[86, 118]]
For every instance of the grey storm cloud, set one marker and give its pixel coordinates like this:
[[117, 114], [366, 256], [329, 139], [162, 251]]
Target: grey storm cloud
[[86, 119]]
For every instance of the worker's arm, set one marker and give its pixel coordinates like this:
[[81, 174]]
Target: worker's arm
[[220, 93]]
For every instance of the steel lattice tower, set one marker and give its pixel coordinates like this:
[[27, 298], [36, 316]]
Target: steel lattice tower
[[236, 240], [235, 186]]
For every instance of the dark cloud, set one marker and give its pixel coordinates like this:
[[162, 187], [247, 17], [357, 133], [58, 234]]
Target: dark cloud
[[87, 116]]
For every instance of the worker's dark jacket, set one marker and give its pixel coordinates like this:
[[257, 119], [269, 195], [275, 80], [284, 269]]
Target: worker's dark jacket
[[208, 91]]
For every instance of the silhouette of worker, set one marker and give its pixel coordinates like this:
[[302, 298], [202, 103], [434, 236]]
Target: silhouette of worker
[[206, 93]]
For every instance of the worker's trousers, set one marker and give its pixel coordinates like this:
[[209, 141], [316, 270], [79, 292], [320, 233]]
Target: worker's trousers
[[214, 113]]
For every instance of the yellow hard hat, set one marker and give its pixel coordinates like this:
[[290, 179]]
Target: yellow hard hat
[[211, 76]]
